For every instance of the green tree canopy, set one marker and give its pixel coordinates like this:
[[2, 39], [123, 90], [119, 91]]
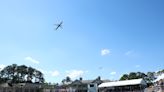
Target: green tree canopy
[[133, 75], [125, 77], [149, 77], [21, 74]]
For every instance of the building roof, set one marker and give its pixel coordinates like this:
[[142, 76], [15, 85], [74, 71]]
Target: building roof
[[97, 80], [106, 80], [159, 78], [87, 81], [123, 83], [79, 82]]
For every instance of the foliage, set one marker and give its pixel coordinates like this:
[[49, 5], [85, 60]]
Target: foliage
[[133, 75], [66, 80], [149, 77], [160, 72], [125, 77], [20, 74]]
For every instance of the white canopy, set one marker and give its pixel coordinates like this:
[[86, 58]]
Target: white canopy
[[123, 83], [159, 78]]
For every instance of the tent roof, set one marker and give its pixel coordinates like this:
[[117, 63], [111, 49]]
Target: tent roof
[[159, 78], [123, 83]]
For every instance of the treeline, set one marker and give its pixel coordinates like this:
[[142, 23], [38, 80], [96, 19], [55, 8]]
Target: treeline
[[24, 74], [20, 74], [149, 77]]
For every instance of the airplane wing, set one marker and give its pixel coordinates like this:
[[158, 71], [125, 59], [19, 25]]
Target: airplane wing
[[57, 27]]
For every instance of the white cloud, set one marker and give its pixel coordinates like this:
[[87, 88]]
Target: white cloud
[[2, 66], [129, 52], [55, 73], [30, 59], [105, 52], [75, 73], [137, 66], [113, 73], [49, 73]]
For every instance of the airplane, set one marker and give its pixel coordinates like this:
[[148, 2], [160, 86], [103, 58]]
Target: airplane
[[59, 25]]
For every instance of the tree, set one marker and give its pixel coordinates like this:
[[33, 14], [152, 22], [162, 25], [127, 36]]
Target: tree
[[141, 75], [18, 74], [68, 79], [80, 78], [9, 72], [160, 72], [150, 77], [63, 81], [125, 77], [22, 72], [133, 75], [38, 77], [30, 74]]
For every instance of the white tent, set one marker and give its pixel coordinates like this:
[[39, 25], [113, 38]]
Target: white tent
[[159, 78], [123, 83]]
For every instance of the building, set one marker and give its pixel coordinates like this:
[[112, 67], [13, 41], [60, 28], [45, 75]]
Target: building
[[81, 85], [136, 85], [87, 85]]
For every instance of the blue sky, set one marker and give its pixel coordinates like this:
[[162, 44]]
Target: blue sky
[[104, 38]]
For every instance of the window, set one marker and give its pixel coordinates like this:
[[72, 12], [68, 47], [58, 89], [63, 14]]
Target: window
[[91, 85]]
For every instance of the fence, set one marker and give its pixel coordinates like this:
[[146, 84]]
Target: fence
[[16, 89], [155, 89]]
